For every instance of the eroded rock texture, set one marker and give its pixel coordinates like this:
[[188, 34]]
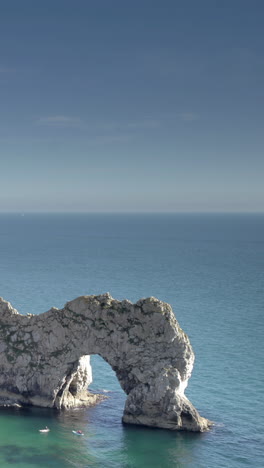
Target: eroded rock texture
[[44, 359]]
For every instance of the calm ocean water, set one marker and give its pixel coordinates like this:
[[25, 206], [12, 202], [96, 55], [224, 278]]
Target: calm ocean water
[[210, 268]]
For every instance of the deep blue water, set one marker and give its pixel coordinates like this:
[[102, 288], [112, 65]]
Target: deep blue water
[[210, 268]]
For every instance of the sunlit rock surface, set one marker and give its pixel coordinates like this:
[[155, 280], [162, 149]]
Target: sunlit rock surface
[[44, 359]]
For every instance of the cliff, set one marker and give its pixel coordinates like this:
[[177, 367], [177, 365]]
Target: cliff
[[44, 359]]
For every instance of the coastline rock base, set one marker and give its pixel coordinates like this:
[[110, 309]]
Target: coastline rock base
[[45, 358]]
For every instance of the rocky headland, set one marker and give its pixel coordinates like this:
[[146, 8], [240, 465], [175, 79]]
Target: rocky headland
[[45, 358]]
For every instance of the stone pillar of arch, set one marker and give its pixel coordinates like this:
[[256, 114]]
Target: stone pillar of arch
[[45, 358]]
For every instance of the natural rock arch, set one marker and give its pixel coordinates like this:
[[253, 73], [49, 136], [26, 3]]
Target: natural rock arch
[[44, 359]]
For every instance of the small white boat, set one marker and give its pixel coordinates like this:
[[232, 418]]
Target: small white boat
[[44, 430], [78, 433]]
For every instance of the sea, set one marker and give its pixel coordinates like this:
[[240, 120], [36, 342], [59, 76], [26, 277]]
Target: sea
[[210, 268]]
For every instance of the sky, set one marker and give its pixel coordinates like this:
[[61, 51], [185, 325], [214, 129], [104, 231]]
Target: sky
[[131, 106]]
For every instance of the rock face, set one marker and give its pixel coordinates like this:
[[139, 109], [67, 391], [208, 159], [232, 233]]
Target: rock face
[[44, 359]]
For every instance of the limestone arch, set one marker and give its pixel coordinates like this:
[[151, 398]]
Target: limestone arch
[[45, 358]]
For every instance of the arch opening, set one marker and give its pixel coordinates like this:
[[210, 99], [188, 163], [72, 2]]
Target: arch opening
[[87, 382]]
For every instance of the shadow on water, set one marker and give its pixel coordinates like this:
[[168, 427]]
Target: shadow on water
[[103, 444], [22, 445], [157, 447], [29, 456]]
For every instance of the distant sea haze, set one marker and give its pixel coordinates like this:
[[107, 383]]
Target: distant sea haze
[[209, 267]]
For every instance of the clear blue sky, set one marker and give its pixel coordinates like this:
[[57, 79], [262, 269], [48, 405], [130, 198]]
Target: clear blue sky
[[132, 105]]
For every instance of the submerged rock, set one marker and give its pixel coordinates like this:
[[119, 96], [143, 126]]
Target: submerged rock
[[45, 359]]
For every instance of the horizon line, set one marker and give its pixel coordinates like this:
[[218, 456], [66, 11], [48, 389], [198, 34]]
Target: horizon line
[[23, 213]]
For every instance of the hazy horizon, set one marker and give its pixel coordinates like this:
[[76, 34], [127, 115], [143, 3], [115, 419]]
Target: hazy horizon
[[23, 213]]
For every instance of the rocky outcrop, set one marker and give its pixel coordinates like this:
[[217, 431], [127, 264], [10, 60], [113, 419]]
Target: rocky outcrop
[[44, 359]]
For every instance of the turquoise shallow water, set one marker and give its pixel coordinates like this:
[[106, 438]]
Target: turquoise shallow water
[[210, 268]]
